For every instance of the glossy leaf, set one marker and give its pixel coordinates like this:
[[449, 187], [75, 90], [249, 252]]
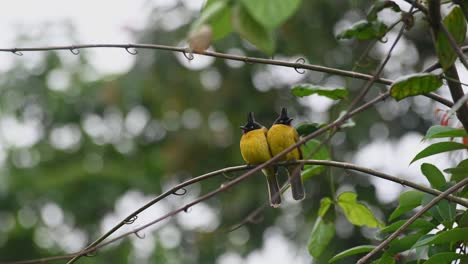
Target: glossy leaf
[[418, 224], [325, 204], [271, 13], [408, 201], [445, 257], [363, 30], [445, 131], [322, 154], [307, 128], [384, 259], [449, 236], [433, 175], [252, 31], [459, 172], [443, 211], [302, 90], [437, 148], [404, 243], [321, 235], [356, 212], [351, 252], [456, 25], [414, 84]]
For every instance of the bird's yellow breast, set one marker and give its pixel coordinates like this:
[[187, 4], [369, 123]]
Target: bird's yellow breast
[[281, 137], [254, 146]]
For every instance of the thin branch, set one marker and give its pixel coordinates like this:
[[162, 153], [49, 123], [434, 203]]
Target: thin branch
[[296, 65], [173, 190], [369, 84], [253, 215], [349, 166], [456, 90], [387, 241], [418, 5]]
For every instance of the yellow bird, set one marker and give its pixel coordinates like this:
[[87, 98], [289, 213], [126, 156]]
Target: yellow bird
[[280, 137], [254, 149]]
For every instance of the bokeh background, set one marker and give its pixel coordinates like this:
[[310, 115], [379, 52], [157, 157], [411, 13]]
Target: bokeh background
[[86, 139]]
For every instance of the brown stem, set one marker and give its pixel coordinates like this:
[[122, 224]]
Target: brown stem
[[457, 93]]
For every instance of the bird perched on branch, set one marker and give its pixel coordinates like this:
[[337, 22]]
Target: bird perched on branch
[[280, 137], [254, 149]]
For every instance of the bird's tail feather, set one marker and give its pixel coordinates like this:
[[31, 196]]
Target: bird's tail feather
[[295, 179], [273, 187]]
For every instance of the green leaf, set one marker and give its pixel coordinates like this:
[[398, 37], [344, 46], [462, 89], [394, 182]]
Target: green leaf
[[386, 258], [306, 89], [437, 148], [414, 84], [271, 13], [443, 211], [459, 172], [324, 206], [402, 244], [252, 31], [449, 236], [446, 257], [456, 25], [356, 212], [408, 201], [433, 175], [322, 154], [307, 128], [351, 252], [321, 235], [418, 224], [217, 13], [379, 6], [445, 131], [363, 30]]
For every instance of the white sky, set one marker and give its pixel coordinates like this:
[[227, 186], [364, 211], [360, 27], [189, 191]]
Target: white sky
[[102, 21]]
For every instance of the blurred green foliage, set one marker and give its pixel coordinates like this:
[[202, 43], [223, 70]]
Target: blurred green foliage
[[161, 123]]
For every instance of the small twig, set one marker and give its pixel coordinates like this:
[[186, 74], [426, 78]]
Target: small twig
[[428, 206], [418, 5]]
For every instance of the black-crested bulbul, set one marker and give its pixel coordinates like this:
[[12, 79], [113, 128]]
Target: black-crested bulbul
[[281, 136], [254, 149]]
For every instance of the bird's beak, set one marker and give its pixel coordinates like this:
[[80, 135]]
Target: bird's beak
[[243, 127]]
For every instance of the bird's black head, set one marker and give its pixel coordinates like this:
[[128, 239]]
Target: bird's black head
[[251, 124], [283, 118]]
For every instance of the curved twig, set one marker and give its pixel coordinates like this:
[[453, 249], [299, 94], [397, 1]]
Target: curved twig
[[294, 65]]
